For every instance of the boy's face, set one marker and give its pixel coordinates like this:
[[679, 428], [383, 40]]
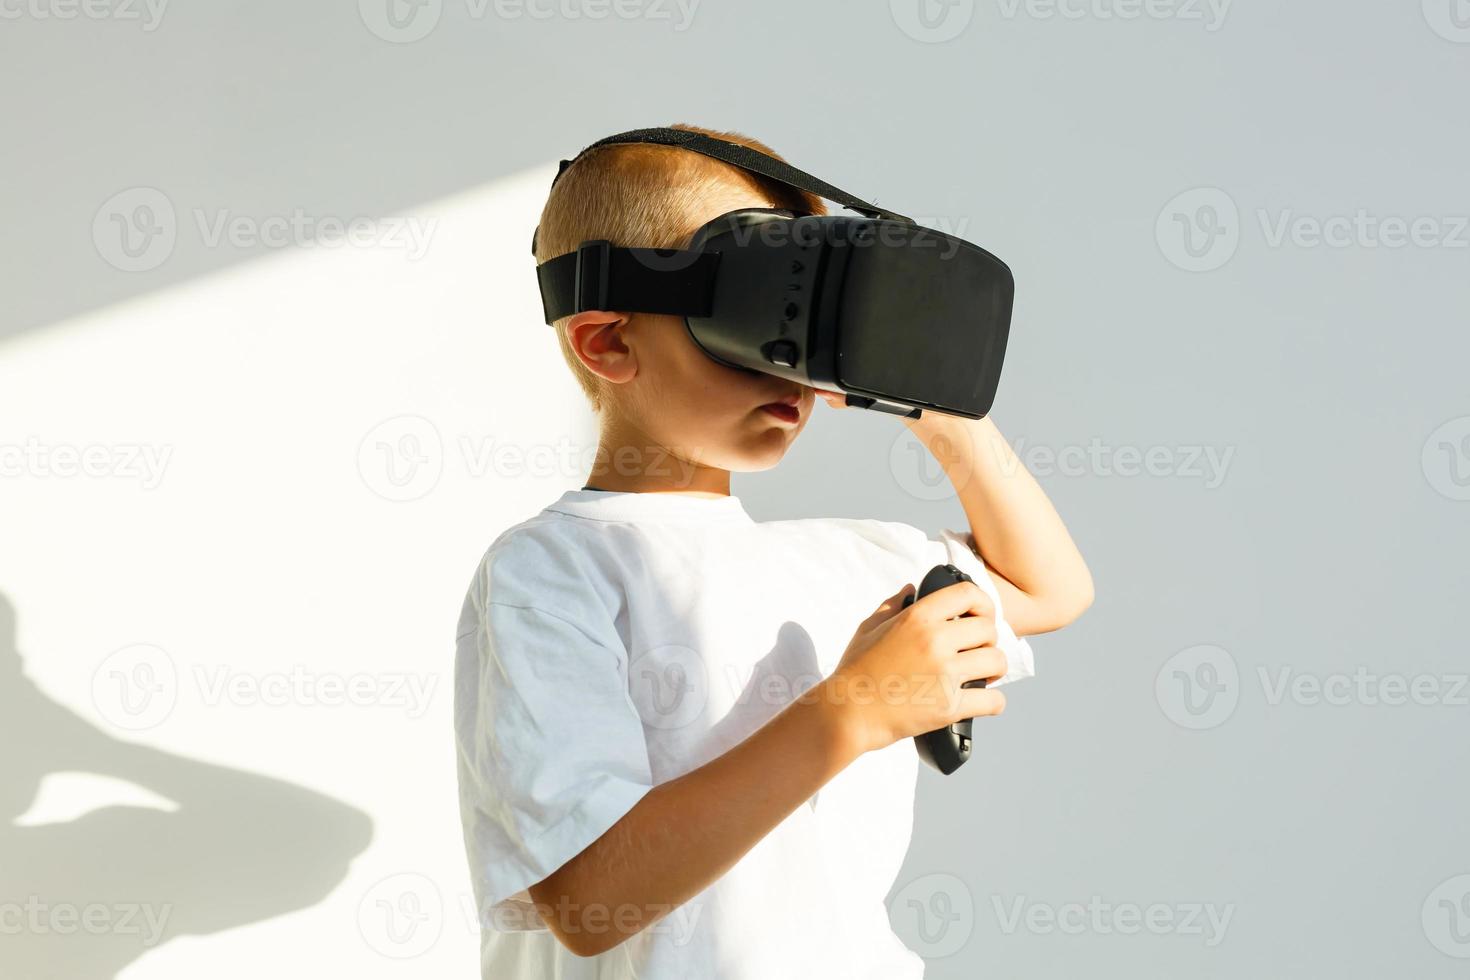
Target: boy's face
[[704, 411], [675, 396]]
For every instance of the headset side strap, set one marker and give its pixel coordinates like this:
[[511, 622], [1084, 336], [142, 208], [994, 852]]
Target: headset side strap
[[600, 276]]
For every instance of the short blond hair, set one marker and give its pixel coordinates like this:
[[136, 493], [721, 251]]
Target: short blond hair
[[646, 195]]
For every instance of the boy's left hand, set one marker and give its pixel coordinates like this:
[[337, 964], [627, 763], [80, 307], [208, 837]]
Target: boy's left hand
[[1033, 562], [927, 420], [834, 398]]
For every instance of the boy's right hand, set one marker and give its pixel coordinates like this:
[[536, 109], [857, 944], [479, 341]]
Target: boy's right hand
[[901, 674]]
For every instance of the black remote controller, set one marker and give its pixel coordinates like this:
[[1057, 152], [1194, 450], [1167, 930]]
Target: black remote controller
[[946, 749]]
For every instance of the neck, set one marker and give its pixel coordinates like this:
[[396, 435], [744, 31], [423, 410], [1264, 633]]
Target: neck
[[628, 460]]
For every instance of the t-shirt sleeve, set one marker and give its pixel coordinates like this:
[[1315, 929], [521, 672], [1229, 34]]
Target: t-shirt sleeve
[[1019, 661], [551, 747], [952, 547]]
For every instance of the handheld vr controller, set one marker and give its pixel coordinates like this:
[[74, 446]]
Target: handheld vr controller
[[946, 749]]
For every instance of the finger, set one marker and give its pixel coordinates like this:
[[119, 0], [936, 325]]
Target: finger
[[835, 399], [967, 632], [987, 664], [980, 702], [960, 599], [887, 609]]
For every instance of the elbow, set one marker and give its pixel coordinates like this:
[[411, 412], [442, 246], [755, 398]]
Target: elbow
[[1062, 605], [582, 945], [1075, 600], [575, 924], [585, 942]]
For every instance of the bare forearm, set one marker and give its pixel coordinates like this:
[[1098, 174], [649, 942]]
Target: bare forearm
[[1017, 531], [686, 833]]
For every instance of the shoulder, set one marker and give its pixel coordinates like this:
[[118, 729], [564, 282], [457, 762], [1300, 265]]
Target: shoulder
[[892, 536], [548, 562]]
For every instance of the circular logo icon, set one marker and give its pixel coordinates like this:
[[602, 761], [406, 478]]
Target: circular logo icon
[[401, 459], [932, 21], [1446, 917], [401, 916], [669, 685], [1199, 230], [401, 21], [1446, 459], [921, 472], [934, 915], [135, 230], [1198, 687], [1450, 19], [136, 687]]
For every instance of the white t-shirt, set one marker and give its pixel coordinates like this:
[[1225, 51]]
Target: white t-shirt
[[619, 640]]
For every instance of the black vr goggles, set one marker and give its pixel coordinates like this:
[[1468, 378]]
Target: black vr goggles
[[897, 317]]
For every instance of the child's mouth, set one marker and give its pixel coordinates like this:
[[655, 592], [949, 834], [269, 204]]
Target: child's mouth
[[782, 411]]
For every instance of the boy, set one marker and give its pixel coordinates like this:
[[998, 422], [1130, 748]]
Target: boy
[[684, 736]]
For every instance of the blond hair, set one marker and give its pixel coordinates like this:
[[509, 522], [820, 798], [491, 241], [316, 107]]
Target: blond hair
[[645, 195]]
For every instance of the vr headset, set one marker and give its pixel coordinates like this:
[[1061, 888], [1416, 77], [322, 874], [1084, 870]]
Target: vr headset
[[897, 317]]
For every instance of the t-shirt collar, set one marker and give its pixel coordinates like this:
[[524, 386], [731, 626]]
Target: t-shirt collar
[[606, 505]]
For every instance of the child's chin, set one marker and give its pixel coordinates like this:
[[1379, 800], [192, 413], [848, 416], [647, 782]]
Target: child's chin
[[762, 453]]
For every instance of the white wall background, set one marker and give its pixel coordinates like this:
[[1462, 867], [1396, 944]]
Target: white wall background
[[255, 531], [1157, 175]]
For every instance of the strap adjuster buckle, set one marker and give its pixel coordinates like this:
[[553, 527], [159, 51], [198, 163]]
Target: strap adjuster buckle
[[589, 289]]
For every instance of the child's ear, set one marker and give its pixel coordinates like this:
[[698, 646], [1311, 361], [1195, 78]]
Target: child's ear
[[597, 338]]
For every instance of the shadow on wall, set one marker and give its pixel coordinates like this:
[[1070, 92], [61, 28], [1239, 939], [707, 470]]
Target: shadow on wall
[[84, 898]]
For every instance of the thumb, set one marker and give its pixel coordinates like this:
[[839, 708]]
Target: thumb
[[888, 608]]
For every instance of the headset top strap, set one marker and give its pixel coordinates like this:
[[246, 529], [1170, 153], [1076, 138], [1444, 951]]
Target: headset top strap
[[743, 157]]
